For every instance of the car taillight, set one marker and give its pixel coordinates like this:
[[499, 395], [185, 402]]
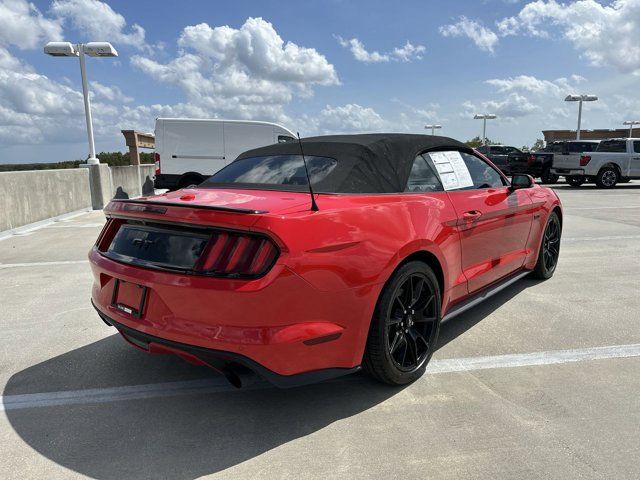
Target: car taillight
[[156, 157], [584, 159], [237, 255], [108, 232]]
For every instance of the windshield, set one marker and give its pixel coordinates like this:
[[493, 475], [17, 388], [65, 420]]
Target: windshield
[[284, 171]]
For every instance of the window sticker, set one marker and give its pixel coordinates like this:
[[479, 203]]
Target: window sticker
[[452, 170]]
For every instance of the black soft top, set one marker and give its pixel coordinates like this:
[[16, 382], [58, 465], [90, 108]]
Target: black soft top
[[367, 163]]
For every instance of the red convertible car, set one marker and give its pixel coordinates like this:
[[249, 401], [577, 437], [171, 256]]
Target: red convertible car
[[307, 260]]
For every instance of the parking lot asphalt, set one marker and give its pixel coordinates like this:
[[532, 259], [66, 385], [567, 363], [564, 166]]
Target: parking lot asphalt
[[541, 381]]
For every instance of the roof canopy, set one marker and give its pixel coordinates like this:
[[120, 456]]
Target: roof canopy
[[368, 163]]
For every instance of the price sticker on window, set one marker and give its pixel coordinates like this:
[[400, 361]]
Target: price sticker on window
[[452, 170]]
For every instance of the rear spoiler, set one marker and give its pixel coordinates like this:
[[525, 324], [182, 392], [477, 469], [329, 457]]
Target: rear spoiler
[[152, 206]]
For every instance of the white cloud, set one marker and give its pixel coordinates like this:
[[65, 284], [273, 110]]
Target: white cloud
[[606, 35], [360, 53], [8, 61], [512, 106], [112, 94], [248, 72], [406, 53], [531, 84], [484, 38], [22, 25], [99, 22], [349, 118]]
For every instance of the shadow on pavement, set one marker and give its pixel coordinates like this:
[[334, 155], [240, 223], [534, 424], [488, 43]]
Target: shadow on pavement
[[181, 437], [188, 436], [455, 327]]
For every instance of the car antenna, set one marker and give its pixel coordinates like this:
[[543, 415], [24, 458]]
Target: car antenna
[[314, 205]]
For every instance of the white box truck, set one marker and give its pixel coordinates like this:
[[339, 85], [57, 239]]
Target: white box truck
[[190, 150]]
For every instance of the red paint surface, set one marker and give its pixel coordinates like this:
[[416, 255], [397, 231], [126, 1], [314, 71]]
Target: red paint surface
[[331, 269]]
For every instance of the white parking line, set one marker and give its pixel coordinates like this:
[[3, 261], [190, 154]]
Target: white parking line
[[42, 264], [569, 209], [218, 384], [598, 239]]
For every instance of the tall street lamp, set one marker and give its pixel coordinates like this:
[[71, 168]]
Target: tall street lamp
[[93, 49], [433, 128], [631, 123], [484, 117], [580, 98]]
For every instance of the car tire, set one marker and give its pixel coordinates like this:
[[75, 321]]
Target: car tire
[[549, 248], [549, 178], [607, 177], [405, 326], [575, 180]]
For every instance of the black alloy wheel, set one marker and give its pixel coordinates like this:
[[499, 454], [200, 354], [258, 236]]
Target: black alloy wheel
[[550, 248], [411, 322], [607, 177], [404, 329]]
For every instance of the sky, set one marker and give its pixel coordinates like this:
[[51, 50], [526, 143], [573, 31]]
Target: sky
[[316, 67]]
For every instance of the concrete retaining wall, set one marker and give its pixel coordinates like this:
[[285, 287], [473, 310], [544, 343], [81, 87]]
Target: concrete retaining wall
[[32, 196], [125, 181]]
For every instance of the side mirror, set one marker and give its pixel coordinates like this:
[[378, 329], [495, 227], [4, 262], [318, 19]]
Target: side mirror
[[519, 181]]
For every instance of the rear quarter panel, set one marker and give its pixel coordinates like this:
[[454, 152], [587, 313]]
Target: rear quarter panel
[[357, 241]]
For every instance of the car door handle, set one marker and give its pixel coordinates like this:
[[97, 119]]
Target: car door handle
[[471, 214]]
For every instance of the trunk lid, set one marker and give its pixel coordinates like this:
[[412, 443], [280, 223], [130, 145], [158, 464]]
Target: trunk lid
[[211, 207], [240, 201]]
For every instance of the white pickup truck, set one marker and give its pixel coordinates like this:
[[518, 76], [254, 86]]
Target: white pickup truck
[[614, 161]]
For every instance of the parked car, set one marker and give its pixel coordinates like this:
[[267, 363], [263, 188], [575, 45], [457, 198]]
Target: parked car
[[567, 156], [537, 164], [246, 272], [502, 156], [190, 150], [613, 161]]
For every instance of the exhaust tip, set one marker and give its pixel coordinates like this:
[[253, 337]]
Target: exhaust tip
[[238, 375]]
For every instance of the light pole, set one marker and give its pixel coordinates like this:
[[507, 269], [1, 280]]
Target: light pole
[[93, 49], [631, 123], [433, 128], [580, 99], [484, 117]]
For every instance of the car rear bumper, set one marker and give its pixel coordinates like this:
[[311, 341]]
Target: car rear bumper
[[567, 171], [226, 363], [279, 322]]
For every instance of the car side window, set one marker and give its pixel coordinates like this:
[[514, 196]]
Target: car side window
[[576, 147], [423, 176], [482, 174], [636, 147]]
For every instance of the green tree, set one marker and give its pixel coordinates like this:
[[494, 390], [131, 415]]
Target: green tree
[[537, 145], [476, 142]]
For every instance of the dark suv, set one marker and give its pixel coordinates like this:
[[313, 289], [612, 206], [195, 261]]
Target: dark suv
[[502, 156]]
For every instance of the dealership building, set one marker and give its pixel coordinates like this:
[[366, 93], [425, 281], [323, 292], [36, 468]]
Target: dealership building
[[600, 134]]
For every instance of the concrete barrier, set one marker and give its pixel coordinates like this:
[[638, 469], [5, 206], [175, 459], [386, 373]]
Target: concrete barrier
[[31, 196], [127, 184]]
